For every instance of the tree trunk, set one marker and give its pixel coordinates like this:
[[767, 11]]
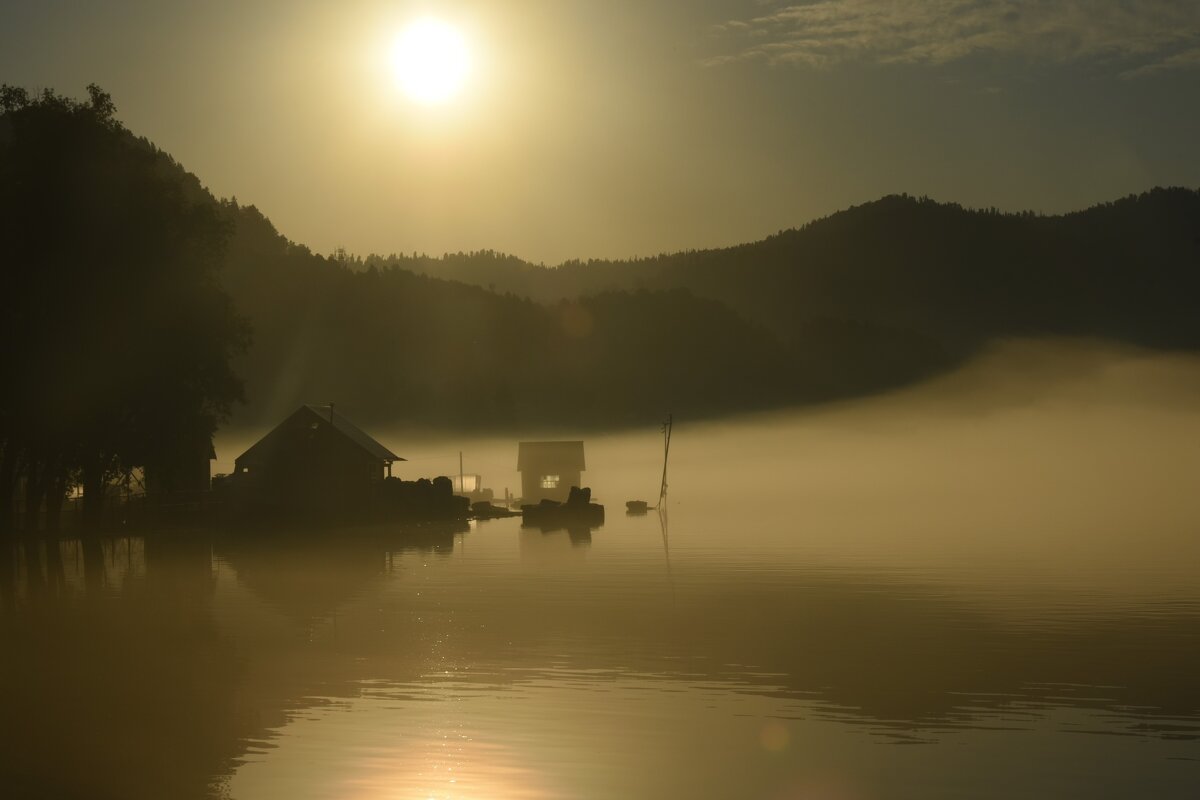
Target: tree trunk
[[35, 493], [93, 492], [56, 493], [8, 489], [8, 574]]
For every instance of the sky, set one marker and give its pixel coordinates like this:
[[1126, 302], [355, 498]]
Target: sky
[[632, 127]]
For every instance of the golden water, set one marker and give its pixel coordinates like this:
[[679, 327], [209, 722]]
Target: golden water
[[1002, 604]]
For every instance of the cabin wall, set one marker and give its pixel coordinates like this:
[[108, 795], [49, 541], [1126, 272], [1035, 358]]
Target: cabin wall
[[310, 469], [532, 490]]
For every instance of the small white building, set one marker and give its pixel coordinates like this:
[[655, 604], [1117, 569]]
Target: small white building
[[549, 469]]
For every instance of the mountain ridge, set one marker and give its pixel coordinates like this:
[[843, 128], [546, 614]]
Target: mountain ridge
[[870, 298], [875, 296]]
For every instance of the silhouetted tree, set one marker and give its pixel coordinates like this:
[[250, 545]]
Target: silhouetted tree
[[118, 335]]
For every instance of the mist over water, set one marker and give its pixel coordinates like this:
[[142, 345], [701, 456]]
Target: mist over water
[[984, 585], [1061, 455]]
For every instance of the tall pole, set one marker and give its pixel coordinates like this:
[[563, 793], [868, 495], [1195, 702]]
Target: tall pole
[[461, 488], [666, 429]]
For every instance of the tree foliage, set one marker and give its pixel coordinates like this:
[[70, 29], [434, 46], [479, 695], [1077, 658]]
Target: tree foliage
[[118, 335]]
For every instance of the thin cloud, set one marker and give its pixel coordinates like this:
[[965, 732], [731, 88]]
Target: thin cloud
[[1144, 36], [1186, 59]]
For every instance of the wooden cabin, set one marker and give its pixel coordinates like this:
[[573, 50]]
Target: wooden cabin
[[316, 459], [549, 469], [187, 469]]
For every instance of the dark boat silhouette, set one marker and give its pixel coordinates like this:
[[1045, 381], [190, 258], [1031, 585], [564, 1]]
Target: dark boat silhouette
[[578, 510]]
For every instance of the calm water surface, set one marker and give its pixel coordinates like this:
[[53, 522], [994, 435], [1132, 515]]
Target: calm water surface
[[834, 608]]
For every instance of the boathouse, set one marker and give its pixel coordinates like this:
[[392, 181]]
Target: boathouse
[[315, 459], [183, 467], [549, 469]]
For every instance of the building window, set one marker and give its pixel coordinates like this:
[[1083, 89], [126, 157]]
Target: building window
[[550, 481]]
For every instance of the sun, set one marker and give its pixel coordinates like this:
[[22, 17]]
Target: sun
[[430, 61]]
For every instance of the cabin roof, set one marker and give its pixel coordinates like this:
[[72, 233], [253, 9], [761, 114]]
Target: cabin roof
[[562, 455], [328, 416], [354, 433]]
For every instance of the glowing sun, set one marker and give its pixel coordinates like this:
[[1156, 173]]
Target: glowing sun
[[430, 61]]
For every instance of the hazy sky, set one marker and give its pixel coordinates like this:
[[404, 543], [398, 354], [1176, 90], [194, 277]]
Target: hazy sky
[[629, 127]]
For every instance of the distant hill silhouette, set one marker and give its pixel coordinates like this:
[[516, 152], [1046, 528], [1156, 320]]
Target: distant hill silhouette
[[877, 296], [909, 262], [392, 345], [900, 288], [873, 297]]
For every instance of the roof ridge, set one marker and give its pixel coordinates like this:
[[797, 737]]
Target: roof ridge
[[352, 432]]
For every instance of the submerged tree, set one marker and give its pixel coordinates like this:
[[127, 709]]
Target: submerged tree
[[117, 335]]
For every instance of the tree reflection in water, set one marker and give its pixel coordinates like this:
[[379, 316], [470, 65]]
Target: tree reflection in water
[[188, 666]]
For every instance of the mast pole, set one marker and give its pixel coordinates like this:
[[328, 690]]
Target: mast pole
[[666, 428]]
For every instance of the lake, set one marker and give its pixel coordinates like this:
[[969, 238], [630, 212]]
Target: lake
[[883, 600]]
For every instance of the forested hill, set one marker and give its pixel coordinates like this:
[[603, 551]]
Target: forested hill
[[388, 345], [1126, 270], [140, 308], [874, 297]]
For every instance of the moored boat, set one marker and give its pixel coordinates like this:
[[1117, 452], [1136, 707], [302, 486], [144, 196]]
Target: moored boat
[[578, 510]]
